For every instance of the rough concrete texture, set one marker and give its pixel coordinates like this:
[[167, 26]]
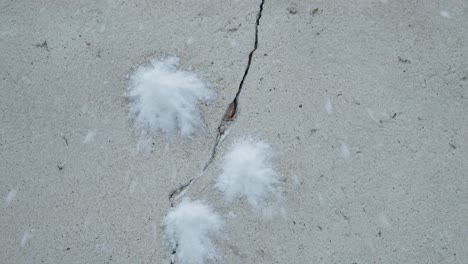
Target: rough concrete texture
[[364, 102]]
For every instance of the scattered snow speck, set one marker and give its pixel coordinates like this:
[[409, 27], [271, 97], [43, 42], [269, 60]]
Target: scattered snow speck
[[102, 28], [247, 172], [234, 43], [329, 106], [189, 41], [154, 229], [89, 136], [344, 151], [132, 187], [384, 220], [445, 14], [295, 179], [188, 228], [84, 109], [6, 34], [26, 236], [87, 221], [320, 198], [26, 80], [231, 214], [377, 116], [164, 99], [10, 196]]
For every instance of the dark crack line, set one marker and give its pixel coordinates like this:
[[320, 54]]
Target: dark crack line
[[231, 111], [177, 192], [226, 121], [249, 62], [228, 117]]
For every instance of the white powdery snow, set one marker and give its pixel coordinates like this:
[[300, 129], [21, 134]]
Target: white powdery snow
[[165, 99], [188, 228], [248, 173]]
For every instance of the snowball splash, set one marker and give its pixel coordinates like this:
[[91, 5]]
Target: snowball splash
[[165, 99]]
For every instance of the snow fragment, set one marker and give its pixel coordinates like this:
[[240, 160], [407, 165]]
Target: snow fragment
[[248, 173], [84, 109], [10, 196], [344, 151], [231, 214], [378, 117], [188, 228], [154, 229], [384, 220], [320, 198], [164, 99], [132, 187], [445, 14], [26, 237], [89, 136], [329, 106]]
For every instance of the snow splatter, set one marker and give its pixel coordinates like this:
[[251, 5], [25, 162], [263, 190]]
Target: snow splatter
[[10, 196], [188, 228], [248, 173], [89, 136], [445, 14], [164, 99], [329, 107], [344, 151]]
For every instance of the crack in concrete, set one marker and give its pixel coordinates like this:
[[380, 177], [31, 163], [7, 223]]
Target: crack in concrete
[[226, 121]]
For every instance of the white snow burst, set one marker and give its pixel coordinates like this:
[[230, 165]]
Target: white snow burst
[[164, 99], [188, 228], [248, 173]]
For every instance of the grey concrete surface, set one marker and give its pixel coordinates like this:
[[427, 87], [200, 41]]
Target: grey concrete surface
[[365, 103]]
